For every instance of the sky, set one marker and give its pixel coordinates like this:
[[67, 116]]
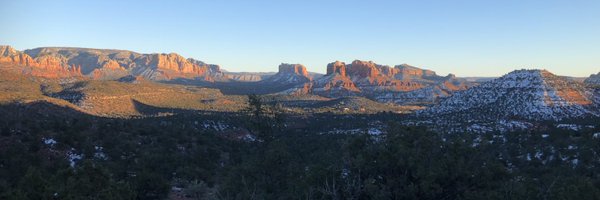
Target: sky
[[467, 38]]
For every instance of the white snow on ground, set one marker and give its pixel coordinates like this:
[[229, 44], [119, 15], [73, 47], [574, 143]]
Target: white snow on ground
[[249, 138], [73, 157], [573, 127], [99, 154], [374, 131], [215, 125], [524, 94], [49, 141]]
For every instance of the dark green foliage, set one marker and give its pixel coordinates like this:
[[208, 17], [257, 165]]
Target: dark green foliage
[[146, 158]]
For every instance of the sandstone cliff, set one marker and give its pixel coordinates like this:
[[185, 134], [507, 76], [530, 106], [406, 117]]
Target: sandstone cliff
[[107, 64]]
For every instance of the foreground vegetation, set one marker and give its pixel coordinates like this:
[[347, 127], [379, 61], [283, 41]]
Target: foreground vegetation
[[166, 157]]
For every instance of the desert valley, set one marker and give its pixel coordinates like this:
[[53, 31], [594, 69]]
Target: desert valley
[[116, 124]]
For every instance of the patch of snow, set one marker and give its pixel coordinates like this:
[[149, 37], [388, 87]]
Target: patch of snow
[[374, 131], [215, 125], [573, 127], [99, 154], [575, 162], [49, 141], [73, 157], [249, 138], [345, 173]]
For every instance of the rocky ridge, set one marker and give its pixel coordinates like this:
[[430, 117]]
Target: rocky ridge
[[523, 95], [290, 74], [106, 64], [402, 84], [43, 66], [594, 80]]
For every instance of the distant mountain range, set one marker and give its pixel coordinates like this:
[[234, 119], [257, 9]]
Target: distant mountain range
[[526, 95], [105, 64], [402, 84]]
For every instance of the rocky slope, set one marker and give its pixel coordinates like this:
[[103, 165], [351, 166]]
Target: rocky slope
[[336, 83], [535, 95], [106, 64], [43, 66], [402, 84], [290, 74], [248, 76], [594, 80]]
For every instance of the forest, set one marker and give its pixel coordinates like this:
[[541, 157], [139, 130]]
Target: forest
[[49, 153]]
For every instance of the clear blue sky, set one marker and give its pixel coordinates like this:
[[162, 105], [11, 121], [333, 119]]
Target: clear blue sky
[[468, 38]]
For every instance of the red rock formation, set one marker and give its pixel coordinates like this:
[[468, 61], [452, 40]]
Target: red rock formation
[[6, 51], [50, 63], [388, 71], [297, 69], [290, 74], [19, 59], [75, 69], [336, 67], [111, 64], [340, 82], [44, 66], [177, 63], [569, 91], [408, 70], [362, 69]]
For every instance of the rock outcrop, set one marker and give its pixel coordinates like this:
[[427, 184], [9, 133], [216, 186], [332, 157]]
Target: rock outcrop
[[408, 71], [42, 66], [296, 69], [402, 84], [362, 69], [522, 94], [106, 64], [336, 67], [290, 74], [248, 76], [593, 80]]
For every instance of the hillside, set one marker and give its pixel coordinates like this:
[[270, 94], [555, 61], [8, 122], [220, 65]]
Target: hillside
[[515, 100], [107, 64]]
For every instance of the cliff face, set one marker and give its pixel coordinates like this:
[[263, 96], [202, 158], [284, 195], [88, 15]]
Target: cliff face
[[522, 94], [398, 84], [112, 64], [43, 66], [403, 84], [336, 67], [293, 69], [290, 74], [408, 71], [593, 80], [372, 77], [248, 76], [363, 69]]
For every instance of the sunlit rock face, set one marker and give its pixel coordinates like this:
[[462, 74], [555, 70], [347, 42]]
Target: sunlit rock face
[[42, 66], [522, 94], [408, 71], [336, 67], [290, 74], [403, 84], [106, 64]]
